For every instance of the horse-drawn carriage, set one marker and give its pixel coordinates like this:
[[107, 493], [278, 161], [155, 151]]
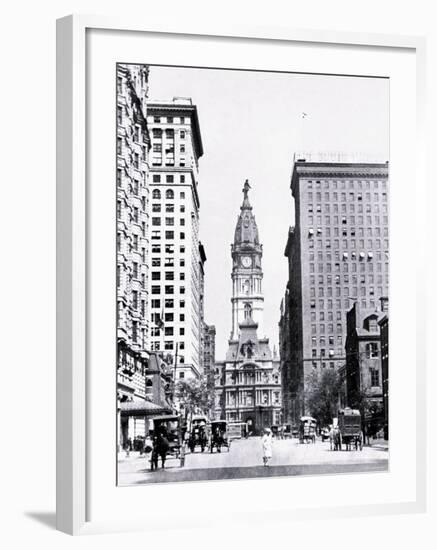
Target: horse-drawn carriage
[[307, 430], [219, 436], [348, 431], [168, 432], [198, 436]]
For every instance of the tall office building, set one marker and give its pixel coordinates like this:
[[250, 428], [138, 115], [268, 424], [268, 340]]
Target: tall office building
[[133, 145], [176, 257], [337, 255]]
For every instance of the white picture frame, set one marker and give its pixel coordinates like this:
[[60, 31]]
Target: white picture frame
[[73, 465]]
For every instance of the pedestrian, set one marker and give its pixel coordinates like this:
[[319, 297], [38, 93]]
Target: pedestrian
[[148, 450], [267, 443]]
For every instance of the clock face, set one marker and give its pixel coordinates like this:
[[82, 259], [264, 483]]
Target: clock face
[[246, 261]]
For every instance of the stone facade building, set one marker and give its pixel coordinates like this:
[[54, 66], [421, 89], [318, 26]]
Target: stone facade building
[[337, 254], [248, 385], [384, 330], [176, 255], [363, 373], [133, 145]]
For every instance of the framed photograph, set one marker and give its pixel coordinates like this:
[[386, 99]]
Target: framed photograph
[[240, 267]]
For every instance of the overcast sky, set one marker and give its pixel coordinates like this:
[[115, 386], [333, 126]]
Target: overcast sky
[[251, 125]]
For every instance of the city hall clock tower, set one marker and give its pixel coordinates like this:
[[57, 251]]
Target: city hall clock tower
[[247, 297]]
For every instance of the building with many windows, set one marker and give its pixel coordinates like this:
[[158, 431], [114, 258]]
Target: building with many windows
[[337, 254], [248, 385], [176, 282], [209, 333], [133, 145]]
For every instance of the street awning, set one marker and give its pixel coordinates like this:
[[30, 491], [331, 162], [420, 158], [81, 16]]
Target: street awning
[[143, 408]]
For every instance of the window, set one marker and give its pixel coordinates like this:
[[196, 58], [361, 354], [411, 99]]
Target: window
[[156, 289], [134, 331], [156, 194], [169, 289], [169, 221], [182, 235], [156, 275], [372, 350], [169, 234], [181, 331], [135, 299], [169, 178], [156, 303], [374, 377], [169, 207], [156, 221], [182, 290], [182, 194], [156, 207], [168, 331], [169, 262], [182, 178], [169, 275], [169, 303], [182, 304], [169, 194]]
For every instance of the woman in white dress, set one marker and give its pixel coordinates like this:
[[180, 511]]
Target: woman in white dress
[[267, 443]]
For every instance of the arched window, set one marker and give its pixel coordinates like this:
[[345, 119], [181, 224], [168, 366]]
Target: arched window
[[156, 194], [169, 194]]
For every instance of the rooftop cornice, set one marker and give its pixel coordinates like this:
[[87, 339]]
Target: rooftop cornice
[[338, 170], [156, 107]]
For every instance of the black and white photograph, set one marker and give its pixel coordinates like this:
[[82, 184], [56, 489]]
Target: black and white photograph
[[252, 274]]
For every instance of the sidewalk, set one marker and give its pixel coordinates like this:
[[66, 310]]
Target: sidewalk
[[380, 444]]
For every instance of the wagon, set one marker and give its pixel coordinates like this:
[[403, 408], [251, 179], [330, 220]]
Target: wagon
[[198, 434], [171, 427], [349, 429], [219, 436], [307, 429]]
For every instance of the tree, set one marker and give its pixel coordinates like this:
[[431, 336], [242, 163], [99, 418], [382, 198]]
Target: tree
[[195, 395], [322, 395]]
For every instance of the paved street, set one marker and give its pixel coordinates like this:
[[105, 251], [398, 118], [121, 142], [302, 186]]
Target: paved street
[[244, 460]]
